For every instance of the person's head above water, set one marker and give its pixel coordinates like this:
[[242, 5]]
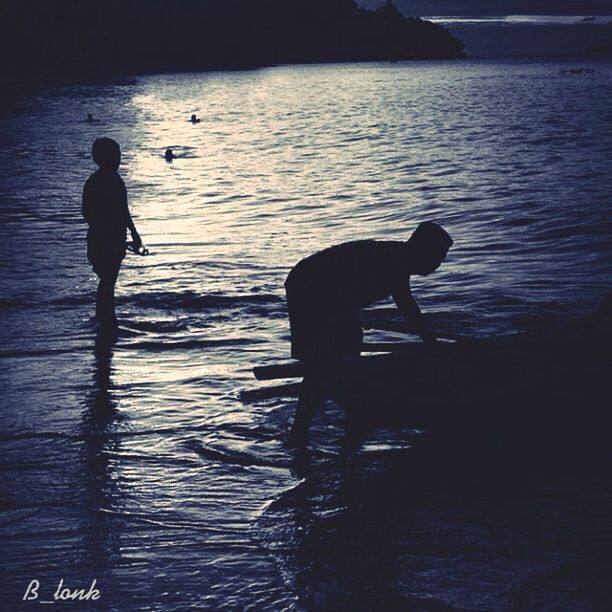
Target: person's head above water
[[106, 153], [428, 247], [169, 155]]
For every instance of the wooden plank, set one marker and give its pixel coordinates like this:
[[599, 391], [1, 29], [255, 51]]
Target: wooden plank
[[295, 369], [392, 347], [287, 390], [403, 328]]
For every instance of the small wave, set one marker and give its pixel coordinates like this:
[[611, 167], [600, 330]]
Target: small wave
[[467, 199], [155, 326], [33, 435], [73, 300], [544, 140], [192, 300], [233, 457], [9, 303], [92, 435], [169, 345], [164, 522], [47, 352], [520, 221], [12, 516]]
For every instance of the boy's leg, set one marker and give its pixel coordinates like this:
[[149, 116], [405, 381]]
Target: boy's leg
[[105, 296]]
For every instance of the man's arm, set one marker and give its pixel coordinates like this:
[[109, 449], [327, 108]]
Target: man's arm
[[412, 313]]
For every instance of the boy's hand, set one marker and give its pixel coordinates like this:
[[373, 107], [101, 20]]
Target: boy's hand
[[137, 240]]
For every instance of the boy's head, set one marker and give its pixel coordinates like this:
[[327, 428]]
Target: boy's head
[[106, 153], [429, 245]]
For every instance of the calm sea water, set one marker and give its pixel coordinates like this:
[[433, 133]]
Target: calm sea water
[[143, 466]]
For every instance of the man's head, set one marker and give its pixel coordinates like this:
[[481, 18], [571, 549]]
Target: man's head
[[106, 153], [428, 245]]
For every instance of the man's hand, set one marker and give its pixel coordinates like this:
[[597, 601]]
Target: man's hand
[[428, 337], [412, 313]]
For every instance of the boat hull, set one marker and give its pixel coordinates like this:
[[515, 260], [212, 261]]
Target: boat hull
[[473, 383]]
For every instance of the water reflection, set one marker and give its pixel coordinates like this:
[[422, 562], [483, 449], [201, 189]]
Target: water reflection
[[100, 418], [344, 520]]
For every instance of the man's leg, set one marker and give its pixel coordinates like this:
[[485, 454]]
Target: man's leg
[[348, 341], [311, 397], [308, 343]]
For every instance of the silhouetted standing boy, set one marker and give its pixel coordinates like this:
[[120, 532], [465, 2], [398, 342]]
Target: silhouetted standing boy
[[105, 209]]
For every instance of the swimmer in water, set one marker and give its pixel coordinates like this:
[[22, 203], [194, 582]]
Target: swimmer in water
[[194, 119]]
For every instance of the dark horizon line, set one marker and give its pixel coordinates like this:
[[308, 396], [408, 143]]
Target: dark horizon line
[[494, 8]]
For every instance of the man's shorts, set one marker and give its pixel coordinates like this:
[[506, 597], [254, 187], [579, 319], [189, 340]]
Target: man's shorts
[[319, 329]]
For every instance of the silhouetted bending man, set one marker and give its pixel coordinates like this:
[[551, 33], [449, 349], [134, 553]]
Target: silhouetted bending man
[[105, 208], [326, 290]]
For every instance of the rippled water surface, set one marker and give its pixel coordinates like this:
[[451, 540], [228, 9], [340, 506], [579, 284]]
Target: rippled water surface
[[143, 465]]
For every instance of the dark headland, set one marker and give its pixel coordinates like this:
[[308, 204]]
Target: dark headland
[[64, 38]]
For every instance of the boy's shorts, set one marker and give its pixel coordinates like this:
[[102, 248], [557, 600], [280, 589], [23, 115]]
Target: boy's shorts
[[104, 256]]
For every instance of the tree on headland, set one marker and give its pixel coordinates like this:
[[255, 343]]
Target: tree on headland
[[68, 37]]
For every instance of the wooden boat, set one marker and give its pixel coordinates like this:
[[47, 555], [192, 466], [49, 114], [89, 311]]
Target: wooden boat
[[436, 387], [519, 380]]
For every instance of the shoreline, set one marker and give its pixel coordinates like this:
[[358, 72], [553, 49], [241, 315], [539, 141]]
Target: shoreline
[[15, 87]]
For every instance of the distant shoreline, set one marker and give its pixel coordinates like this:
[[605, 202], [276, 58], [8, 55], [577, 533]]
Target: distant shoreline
[[567, 38], [12, 85], [137, 37], [523, 19], [12, 88]]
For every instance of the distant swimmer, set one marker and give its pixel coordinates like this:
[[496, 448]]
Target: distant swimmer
[[105, 209], [194, 119], [326, 290], [169, 155], [90, 118], [577, 71]]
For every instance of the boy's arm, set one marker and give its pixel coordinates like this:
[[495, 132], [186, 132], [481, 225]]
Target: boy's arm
[[133, 231], [129, 221], [412, 313], [86, 204]]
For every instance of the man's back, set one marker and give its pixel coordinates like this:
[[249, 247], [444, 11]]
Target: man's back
[[352, 274]]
